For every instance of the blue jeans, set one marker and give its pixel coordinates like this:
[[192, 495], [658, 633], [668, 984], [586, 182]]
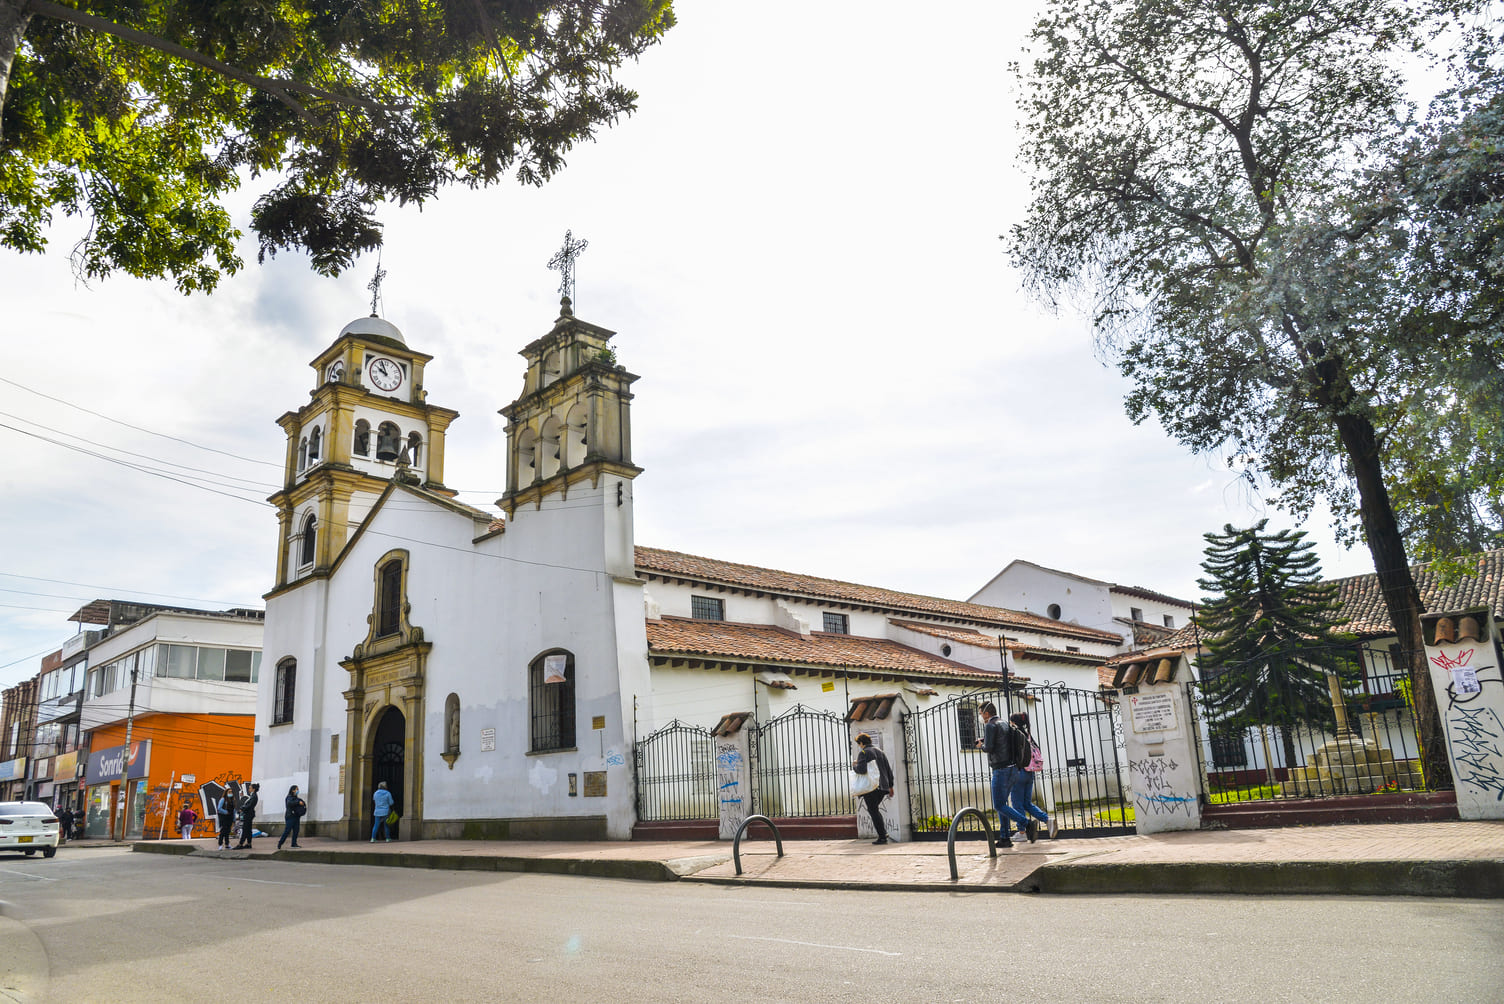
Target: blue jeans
[[1022, 797], [1002, 784], [380, 827]]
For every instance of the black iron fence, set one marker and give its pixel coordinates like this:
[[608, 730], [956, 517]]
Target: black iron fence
[[1082, 785], [676, 774], [800, 764], [1287, 726]]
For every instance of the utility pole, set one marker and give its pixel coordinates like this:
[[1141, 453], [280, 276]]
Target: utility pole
[[125, 763]]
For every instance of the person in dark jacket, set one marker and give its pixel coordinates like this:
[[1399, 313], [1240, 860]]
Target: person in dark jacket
[[998, 743], [224, 811], [867, 754], [292, 818], [248, 816]]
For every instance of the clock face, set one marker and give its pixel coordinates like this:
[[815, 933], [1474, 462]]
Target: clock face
[[385, 374]]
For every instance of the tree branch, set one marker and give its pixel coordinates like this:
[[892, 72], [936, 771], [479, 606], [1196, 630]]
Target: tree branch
[[276, 88]]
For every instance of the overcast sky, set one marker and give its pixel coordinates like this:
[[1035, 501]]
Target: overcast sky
[[796, 239]]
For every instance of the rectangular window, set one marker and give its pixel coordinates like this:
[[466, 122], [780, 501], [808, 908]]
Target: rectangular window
[[552, 703], [287, 674], [707, 608], [837, 624], [211, 664], [238, 666], [1169, 621], [181, 662], [1136, 613], [966, 725]]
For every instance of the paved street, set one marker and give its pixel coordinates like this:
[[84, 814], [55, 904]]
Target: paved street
[[108, 924]]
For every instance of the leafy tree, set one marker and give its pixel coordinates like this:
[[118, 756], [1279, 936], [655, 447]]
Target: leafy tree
[[1240, 189], [1271, 635], [141, 115]]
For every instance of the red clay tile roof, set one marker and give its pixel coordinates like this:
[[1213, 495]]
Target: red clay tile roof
[[1363, 603], [672, 564], [1150, 594], [1036, 652], [765, 644]]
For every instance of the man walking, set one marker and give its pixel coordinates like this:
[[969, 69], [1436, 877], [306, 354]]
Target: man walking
[[998, 743]]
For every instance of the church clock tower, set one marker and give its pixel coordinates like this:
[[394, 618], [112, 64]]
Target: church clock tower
[[367, 423]]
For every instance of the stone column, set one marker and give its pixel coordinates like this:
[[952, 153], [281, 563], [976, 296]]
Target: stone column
[[1159, 737], [887, 735], [733, 782], [1462, 653]]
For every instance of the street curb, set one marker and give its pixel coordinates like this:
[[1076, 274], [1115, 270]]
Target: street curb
[[743, 880], [1462, 879], [649, 871], [163, 847]]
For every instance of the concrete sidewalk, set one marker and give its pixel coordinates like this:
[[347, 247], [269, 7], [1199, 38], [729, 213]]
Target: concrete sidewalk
[[1460, 859]]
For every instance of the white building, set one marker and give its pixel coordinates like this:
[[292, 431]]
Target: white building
[[1145, 615], [497, 673]]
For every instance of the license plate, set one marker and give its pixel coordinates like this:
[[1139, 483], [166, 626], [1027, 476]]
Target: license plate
[[24, 840]]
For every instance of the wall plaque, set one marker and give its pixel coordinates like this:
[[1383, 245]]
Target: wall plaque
[[598, 722], [1153, 712], [488, 740], [595, 784]]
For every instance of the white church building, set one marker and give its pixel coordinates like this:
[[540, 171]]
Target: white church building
[[498, 671]]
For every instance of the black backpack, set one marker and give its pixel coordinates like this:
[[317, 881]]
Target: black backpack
[[1022, 754]]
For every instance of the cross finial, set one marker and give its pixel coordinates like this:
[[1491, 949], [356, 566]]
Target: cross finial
[[375, 284], [563, 261]]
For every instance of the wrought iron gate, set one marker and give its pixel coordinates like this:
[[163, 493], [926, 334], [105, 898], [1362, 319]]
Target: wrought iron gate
[[801, 759], [676, 774], [1079, 733]]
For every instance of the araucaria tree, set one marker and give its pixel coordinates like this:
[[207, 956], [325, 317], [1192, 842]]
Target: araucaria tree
[[141, 115], [1289, 269], [1269, 633]]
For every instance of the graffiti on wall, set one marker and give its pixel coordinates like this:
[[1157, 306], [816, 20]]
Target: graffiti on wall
[[1153, 792], [1474, 729], [730, 783]]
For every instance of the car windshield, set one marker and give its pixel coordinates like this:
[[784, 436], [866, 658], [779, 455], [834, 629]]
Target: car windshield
[[24, 809]]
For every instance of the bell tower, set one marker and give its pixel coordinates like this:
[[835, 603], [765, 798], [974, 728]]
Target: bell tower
[[367, 422]]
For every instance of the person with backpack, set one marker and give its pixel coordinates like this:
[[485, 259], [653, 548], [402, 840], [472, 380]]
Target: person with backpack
[[224, 811], [1002, 749], [868, 755], [1022, 793]]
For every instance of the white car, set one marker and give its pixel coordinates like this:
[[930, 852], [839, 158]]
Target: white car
[[28, 827]]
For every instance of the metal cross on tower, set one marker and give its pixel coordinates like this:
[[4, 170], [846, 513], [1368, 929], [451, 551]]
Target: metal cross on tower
[[563, 261], [375, 284]]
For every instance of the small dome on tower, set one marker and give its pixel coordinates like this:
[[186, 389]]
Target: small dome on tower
[[374, 327]]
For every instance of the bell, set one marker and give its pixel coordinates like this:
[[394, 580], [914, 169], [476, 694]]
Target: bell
[[1446, 631], [1467, 630]]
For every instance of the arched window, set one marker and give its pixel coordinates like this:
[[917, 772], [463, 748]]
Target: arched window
[[527, 458], [551, 700], [388, 442], [310, 538], [414, 444], [576, 436], [389, 599], [551, 368], [549, 453], [362, 438], [287, 676], [452, 724], [314, 439], [303, 453]]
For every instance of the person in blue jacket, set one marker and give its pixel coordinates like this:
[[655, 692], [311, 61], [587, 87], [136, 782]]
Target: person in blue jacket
[[381, 802]]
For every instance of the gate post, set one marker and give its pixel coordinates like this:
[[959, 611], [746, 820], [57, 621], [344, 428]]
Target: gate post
[[1160, 739], [733, 775], [1462, 653], [887, 735]]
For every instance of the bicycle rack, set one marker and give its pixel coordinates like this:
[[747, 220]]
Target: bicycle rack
[[950, 839], [736, 844]]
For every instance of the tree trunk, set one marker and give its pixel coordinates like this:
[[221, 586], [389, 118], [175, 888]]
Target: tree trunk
[[14, 17], [1401, 597]]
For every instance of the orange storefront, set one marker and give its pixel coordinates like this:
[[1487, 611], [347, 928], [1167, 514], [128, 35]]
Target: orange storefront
[[187, 759]]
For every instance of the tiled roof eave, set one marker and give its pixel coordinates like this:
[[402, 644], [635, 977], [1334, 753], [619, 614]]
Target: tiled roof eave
[[918, 613], [793, 667]]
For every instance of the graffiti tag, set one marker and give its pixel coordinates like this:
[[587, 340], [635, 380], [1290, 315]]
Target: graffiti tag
[[1152, 792], [1475, 736]]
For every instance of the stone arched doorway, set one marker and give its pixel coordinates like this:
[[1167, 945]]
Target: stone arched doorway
[[388, 757]]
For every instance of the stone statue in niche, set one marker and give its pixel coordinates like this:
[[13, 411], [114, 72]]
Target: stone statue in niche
[[451, 730]]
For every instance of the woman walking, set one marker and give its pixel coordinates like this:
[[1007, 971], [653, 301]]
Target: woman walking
[[381, 804], [1022, 795], [292, 817], [866, 756]]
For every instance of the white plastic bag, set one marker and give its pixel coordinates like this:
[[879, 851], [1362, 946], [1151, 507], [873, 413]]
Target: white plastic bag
[[863, 783]]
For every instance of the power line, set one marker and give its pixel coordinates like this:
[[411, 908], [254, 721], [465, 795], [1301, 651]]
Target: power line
[[114, 589], [138, 428]]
